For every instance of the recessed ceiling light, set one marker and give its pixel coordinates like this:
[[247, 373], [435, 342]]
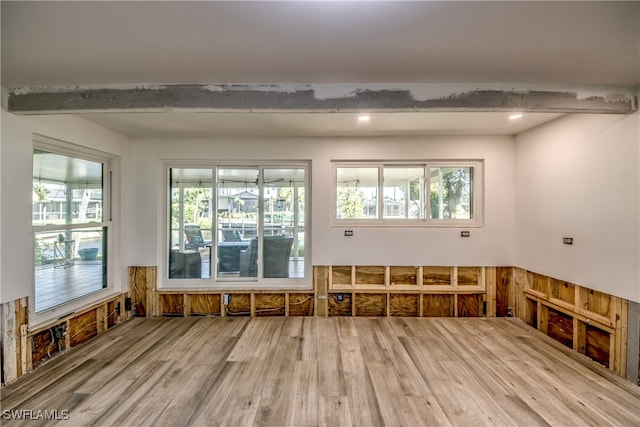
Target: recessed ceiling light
[[515, 116], [363, 119]]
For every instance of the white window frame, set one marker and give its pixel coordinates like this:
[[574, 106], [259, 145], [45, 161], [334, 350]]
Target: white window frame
[[477, 197], [110, 168], [222, 283]]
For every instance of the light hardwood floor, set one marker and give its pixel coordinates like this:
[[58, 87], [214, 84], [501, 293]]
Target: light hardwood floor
[[304, 371]]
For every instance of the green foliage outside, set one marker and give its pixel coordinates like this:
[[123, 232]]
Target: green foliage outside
[[351, 203], [456, 185]]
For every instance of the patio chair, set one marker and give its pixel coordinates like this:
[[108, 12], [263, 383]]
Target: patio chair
[[229, 235], [277, 250], [194, 238]]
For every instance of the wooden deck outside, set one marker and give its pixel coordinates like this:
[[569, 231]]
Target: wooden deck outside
[[54, 286], [324, 371]]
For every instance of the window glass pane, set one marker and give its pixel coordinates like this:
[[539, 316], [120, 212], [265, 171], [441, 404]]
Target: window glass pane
[[357, 193], [403, 192], [283, 223], [69, 264], [451, 193], [191, 221], [66, 190], [237, 222]]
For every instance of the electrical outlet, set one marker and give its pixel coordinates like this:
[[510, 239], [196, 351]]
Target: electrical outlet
[[127, 304], [348, 233], [340, 297], [465, 233], [567, 240], [59, 331], [226, 299]]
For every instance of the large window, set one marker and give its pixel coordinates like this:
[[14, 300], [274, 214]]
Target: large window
[[429, 193], [238, 223], [71, 222]]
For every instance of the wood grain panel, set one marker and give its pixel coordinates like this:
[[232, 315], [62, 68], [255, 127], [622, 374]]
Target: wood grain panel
[[140, 279], [83, 327], [403, 275], [370, 275], [596, 302], [111, 314], [172, 304], [469, 305], [240, 305], [45, 345], [503, 281], [370, 305], [436, 276], [563, 291], [269, 305], [339, 308], [404, 305], [300, 304], [205, 304], [341, 275], [540, 284], [469, 276], [437, 305], [598, 345], [531, 314], [560, 327]]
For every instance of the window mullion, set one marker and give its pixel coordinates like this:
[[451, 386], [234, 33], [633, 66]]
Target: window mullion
[[380, 213]]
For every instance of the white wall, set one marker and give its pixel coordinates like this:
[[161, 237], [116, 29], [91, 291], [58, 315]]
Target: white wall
[[16, 264], [491, 245], [579, 177]]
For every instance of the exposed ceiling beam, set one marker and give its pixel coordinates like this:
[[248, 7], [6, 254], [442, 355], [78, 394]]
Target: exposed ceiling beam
[[323, 97]]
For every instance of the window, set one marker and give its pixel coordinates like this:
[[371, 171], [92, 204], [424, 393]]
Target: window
[[238, 223], [451, 193], [430, 193], [71, 222]]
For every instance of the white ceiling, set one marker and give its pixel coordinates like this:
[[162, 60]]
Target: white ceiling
[[104, 43], [317, 124]]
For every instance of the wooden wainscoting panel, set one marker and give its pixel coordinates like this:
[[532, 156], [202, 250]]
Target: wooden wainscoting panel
[[469, 305], [301, 304], [540, 284], [172, 304], [436, 276], [596, 302], [337, 307], [83, 327], [560, 327], [403, 276], [469, 277], [598, 345], [404, 305], [205, 304], [341, 275], [370, 275], [436, 305], [503, 284], [369, 305], [270, 304], [240, 305], [562, 293]]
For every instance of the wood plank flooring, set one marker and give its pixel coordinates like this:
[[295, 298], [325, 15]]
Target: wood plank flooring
[[305, 371]]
